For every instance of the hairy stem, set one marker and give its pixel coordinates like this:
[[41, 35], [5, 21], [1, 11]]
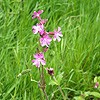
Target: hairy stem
[[45, 94], [42, 83]]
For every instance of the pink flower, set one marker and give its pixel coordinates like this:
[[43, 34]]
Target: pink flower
[[39, 59], [37, 14], [57, 34], [45, 40], [38, 28]]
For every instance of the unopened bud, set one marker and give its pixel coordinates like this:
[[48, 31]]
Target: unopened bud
[[50, 71], [45, 49], [96, 85]]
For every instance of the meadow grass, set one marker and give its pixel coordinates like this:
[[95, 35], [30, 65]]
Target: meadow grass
[[77, 55]]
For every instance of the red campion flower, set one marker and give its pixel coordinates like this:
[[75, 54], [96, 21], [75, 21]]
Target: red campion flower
[[37, 14], [39, 59]]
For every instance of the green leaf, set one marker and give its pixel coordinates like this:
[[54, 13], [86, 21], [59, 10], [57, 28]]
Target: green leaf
[[79, 98], [95, 79], [59, 77], [52, 82], [95, 94], [99, 79], [86, 94]]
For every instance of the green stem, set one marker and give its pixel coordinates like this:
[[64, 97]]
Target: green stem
[[60, 89], [61, 92], [42, 94]]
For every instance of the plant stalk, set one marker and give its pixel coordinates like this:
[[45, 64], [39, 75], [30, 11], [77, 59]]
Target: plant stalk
[[42, 84], [61, 92]]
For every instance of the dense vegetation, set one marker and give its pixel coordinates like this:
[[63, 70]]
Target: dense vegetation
[[77, 55]]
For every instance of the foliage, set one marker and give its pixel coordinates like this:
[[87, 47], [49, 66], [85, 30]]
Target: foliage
[[77, 55]]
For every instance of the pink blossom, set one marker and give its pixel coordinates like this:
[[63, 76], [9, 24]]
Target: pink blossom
[[45, 40], [39, 59], [57, 34], [38, 28], [37, 14]]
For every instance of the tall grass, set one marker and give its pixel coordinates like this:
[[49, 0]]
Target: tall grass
[[77, 55]]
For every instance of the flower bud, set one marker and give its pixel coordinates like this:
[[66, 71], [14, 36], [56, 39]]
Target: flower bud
[[96, 85], [50, 71], [45, 49]]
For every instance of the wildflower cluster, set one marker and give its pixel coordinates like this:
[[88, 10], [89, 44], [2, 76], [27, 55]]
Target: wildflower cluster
[[45, 39]]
